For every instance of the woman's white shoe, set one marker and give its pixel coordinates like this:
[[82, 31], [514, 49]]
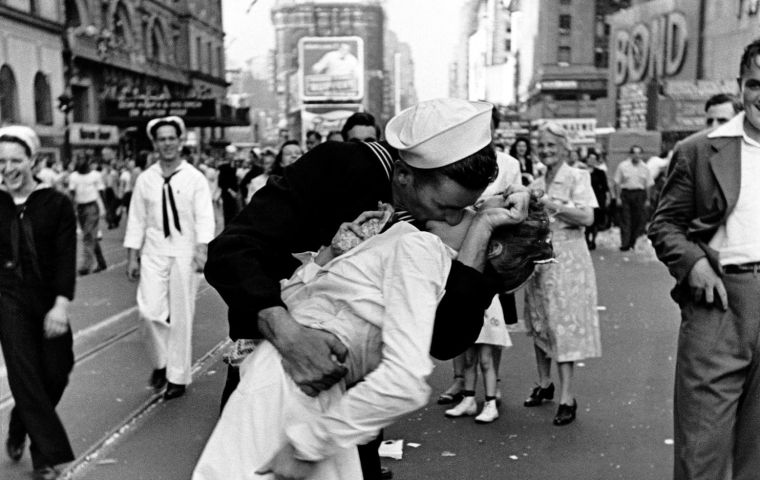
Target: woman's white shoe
[[489, 412], [466, 407]]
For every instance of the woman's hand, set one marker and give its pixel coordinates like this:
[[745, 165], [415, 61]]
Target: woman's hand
[[57, 319], [285, 466]]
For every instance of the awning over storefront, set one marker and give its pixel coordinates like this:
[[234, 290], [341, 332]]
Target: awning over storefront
[[206, 112]]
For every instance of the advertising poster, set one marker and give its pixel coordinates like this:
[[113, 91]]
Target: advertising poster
[[332, 68]]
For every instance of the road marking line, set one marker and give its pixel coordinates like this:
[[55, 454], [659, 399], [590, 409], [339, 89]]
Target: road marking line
[[137, 417], [7, 401]]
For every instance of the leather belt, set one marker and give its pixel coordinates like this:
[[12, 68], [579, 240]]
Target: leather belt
[[742, 268]]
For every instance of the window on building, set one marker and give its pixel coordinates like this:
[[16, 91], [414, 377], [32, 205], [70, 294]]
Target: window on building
[[73, 19], [564, 24], [80, 104], [209, 59], [563, 55], [8, 96], [220, 62], [601, 58], [43, 108], [156, 43], [198, 54]]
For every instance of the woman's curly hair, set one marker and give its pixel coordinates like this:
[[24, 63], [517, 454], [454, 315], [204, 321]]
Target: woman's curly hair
[[523, 247]]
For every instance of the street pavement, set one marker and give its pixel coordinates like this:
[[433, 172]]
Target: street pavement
[[121, 430]]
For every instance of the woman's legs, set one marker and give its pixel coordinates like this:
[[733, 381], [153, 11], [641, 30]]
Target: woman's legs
[[566, 370], [486, 359], [454, 392], [467, 406], [543, 365]]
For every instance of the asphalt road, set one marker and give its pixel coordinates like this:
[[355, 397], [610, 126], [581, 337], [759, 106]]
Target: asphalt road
[[623, 430]]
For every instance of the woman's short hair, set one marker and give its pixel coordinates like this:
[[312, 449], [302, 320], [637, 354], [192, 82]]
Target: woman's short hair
[[523, 246]]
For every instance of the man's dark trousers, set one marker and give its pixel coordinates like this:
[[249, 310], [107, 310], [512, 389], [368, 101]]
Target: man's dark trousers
[[38, 372], [632, 216], [717, 390]]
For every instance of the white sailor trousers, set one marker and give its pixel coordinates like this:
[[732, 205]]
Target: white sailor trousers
[[166, 302]]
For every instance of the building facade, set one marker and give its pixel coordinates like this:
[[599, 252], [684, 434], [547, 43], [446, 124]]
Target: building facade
[[297, 19], [685, 52], [557, 74], [131, 60], [31, 68]]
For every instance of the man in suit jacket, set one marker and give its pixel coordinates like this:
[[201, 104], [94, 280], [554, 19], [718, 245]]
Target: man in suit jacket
[[704, 231]]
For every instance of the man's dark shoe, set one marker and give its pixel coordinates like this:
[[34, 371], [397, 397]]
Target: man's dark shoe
[[99, 269], [173, 391], [83, 271], [538, 395], [565, 414], [45, 473], [158, 378], [386, 473], [15, 450], [624, 249]]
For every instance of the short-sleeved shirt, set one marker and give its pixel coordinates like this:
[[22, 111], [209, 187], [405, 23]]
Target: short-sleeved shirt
[[571, 186], [633, 177], [86, 187]]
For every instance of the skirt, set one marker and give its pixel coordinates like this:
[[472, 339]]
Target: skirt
[[494, 331], [560, 304], [252, 427]]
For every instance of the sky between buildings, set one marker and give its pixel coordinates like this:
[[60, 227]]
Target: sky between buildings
[[430, 27]]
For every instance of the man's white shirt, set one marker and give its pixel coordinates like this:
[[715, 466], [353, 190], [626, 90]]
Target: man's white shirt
[[191, 192]]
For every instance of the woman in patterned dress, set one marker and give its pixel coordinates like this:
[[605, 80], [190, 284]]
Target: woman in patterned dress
[[560, 300]]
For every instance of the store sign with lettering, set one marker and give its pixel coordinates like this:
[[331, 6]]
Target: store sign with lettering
[[146, 109], [93, 134], [656, 48]]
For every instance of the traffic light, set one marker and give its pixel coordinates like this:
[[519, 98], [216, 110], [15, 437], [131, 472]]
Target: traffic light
[[64, 103]]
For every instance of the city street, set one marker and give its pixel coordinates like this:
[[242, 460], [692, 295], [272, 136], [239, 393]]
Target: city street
[[120, 430]]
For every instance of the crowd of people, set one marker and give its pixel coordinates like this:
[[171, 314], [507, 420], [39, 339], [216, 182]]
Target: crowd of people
[[416, 238]]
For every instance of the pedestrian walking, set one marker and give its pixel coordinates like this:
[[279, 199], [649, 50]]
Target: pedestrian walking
[[633, 181], [560, 299], [171, 221], [333, 183], [601, 187], [705, 231], [37, 275], [87, 189]]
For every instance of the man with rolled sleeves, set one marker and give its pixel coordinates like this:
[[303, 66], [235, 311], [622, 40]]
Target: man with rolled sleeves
[[171, 221], [335, 182], [633, 180], [705, 231]]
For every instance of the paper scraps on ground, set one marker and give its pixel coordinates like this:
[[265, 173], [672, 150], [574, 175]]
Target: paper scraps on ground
[[412, 444], [446, 453], [392, 449]]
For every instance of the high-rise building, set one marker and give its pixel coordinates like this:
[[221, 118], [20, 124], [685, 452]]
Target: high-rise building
[[400, 92], [558, 75], [296, 19]]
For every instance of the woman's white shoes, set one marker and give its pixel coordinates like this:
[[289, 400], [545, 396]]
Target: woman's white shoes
[[489, 412], [466, 407]]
